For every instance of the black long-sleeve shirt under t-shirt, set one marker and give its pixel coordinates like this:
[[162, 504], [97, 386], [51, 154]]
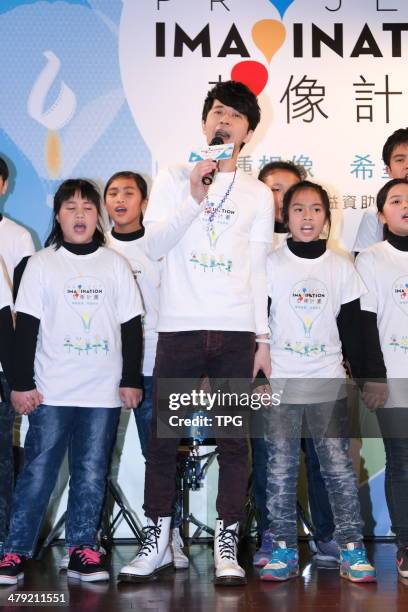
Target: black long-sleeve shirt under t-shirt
[[6, 342], [374, 366], [26, 335]]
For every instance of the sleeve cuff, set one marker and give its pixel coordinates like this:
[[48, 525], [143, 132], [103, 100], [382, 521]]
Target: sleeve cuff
[[24, 385], [133, 382]]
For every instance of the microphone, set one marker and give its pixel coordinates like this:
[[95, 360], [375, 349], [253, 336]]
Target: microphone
[[208, 178]]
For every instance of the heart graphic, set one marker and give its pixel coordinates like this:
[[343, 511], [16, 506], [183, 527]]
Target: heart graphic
[[281, 5], [253, 74]]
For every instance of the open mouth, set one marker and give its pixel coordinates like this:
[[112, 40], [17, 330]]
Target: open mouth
[[80, 228], [120, 210], [222, 134], [307, 228]]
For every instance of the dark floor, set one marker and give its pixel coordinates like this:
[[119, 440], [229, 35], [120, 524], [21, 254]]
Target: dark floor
[[193, 589]]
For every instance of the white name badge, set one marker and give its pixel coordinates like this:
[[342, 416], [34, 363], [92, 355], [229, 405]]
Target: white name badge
[[215, 152]]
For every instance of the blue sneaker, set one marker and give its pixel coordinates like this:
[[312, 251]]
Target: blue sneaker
[[283, 564], [354, 564], [264, 552]]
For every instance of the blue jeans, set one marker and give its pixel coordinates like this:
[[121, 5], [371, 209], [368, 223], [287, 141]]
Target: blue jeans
[[88, 434], [394, 424], [6, 458], [283, 467], [320, 509], [259, 472]]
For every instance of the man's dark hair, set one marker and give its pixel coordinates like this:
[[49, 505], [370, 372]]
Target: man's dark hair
[[238, 96]]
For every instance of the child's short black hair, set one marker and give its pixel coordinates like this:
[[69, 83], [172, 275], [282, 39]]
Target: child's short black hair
[[398, 137], [287, 198], [238, 96], [128, 174], [384, 191], [288, 166], [4, 171], [65, 191]]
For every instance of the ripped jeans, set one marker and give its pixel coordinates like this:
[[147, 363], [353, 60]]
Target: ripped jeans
[[282, 437]]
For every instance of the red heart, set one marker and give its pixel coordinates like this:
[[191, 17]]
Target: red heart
[[253, 74]]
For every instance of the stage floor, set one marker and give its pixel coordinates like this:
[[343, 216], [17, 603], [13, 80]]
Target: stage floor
[[193, 589]]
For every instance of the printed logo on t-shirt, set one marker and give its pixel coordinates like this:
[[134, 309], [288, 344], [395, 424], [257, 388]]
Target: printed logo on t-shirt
[[305, 349], [216, 222], [210, 262], [85, 295], [87, 345], [400, 293], [308, 299], [399, 343]]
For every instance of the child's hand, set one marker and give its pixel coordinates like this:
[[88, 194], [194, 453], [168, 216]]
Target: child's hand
[[197, 189], [375, 395], [262, 360], [130, 397], [25, 402]]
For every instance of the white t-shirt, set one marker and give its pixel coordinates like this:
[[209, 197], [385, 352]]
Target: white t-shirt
[[384, 270], [15, 243], [306, 296], [370, 231], [147, 274], [81, 301], [208, 275], [5, 293]]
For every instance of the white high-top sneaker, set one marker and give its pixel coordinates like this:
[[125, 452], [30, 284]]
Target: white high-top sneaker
[[227, 570], [180, 560], [154, 555]]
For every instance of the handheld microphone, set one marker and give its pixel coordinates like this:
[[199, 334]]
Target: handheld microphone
[[208, 178]]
